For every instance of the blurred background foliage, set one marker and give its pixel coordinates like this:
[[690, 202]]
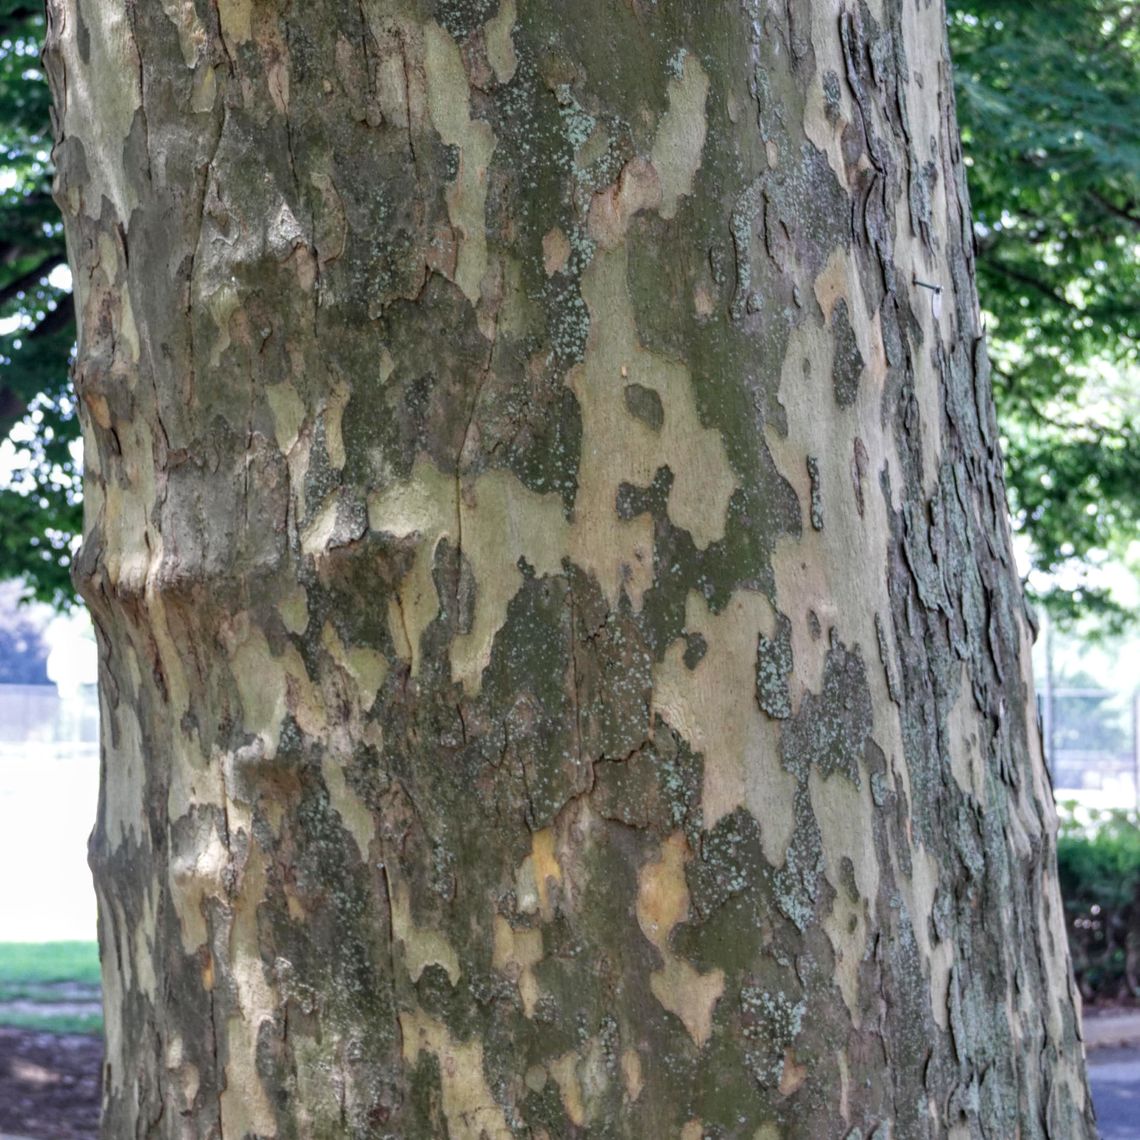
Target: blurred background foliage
[[1049, 106], [1098, 861], [40, 510]]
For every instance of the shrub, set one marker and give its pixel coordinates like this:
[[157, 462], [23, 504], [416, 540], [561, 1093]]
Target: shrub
[[1099, 863]]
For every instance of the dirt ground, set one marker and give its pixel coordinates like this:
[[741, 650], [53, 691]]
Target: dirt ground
[[49, 1084]]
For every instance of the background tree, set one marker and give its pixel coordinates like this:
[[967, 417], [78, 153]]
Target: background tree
[[562, 666], [39, 510], [23, 652], [1049, 97]]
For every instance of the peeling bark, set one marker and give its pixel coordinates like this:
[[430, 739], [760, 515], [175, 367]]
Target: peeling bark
[[562, 668]]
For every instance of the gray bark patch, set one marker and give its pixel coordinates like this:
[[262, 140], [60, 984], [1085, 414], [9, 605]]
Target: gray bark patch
[[816, 494], [773, 668], [831, 730], [848, 362]]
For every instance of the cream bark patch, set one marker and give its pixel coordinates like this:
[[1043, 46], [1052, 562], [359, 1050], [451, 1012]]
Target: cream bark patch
[[582, 1079], [565, 1073], [537, 871], [365, 668], [493, 520], [260, 679], [245, 1107], [288, 414], [500, 43], [448, 104], [222, 303], [173, 666], [122, 781], [516, 953], [422, 948], [236, 19], [845, 815], [194, 876], [661, 181], [827, 112], [354, 813], [135, 545], [320, 529], [714, 707], [681, 133], [939, 955], [472, 1112], [967, 764], [424, 506], [501, 521], [663, 903], [638, 188], [186, 1078], [100, 99], [191, 30], [555, 251], [617, 448], [831, 578], [333, 414], [400, 83], [294, 610], [144, 947], [631, 1073], [116, 983]]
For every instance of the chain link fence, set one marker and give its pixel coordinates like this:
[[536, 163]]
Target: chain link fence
[[1092, 745]]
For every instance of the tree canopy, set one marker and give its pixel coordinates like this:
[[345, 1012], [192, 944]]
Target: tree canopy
[[39, 509], [1049, 103]]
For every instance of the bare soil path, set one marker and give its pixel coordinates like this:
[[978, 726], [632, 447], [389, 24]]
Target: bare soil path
[[49, 1084]]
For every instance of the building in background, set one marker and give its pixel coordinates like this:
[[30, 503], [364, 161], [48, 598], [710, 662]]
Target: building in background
[[49, 771]]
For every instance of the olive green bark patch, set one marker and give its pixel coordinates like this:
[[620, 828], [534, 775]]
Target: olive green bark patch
[[644, 404]]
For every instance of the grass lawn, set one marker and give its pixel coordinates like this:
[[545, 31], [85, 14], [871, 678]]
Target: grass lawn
[[48, 1022], [52, 986], [49, 962]]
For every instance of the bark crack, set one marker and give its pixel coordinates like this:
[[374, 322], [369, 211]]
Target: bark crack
[[364, 47], [408, 100], [407, 638], [574, 675], [531, 814], [382, 867], [203, 190], [219, 1077], [484, 376], [132, 17]]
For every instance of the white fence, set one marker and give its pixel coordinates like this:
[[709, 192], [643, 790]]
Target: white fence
[[1092, 746], [49, 785]]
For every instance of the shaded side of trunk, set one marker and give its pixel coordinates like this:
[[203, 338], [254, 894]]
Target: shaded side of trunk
[[562, 667]]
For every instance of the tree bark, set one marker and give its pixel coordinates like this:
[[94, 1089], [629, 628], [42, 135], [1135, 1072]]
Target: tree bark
[[562, 666]]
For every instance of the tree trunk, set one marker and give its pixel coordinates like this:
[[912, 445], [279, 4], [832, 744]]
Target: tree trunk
[[563, 672]]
